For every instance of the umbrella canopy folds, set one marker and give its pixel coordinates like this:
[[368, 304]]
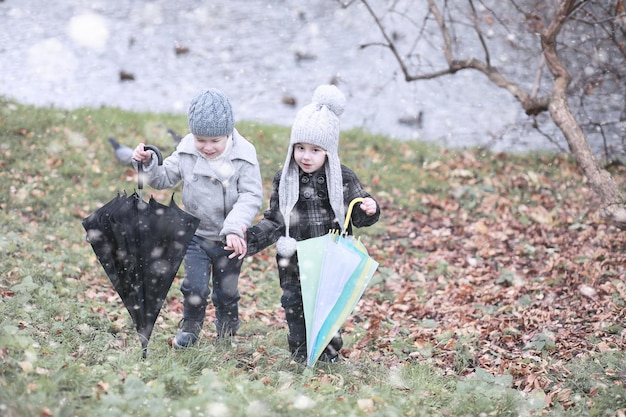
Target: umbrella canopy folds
[[335, 269], [140, 245]]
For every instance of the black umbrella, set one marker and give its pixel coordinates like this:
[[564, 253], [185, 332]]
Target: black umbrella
[[140, 246]]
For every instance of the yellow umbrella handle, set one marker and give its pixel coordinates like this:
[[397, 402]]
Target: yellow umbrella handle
[[350, 207]]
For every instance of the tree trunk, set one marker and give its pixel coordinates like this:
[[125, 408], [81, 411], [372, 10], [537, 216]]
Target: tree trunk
[[614, 210]]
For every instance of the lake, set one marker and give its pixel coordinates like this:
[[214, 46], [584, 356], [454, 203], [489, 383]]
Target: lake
[[262, 54]]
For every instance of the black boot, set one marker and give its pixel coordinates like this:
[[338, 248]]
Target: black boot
[[188, 333], [297, 347], [331, 353]]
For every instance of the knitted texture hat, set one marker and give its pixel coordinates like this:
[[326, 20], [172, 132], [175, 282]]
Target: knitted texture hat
[[210, 114], [316, 124]]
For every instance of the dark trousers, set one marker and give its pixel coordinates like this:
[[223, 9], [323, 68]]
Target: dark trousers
[[204, 260], [291, 300]]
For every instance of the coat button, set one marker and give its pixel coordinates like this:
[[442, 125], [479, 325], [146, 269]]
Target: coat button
[[321, 180], [305, 180], [307, 194], [195, 178]]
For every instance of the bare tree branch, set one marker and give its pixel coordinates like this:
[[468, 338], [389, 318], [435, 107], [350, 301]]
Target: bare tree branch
[[447, 40], [479, 33], [389, 43], [538, 76], [531, 105], [546, 20]]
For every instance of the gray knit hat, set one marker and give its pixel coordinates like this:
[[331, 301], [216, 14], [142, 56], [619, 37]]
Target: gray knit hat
[[210, 114], [317, 124]]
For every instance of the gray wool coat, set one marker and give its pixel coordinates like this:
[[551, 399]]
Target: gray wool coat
[[224, 196]]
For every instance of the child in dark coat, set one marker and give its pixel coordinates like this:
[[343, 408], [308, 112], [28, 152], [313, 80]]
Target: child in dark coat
[[310, 197]]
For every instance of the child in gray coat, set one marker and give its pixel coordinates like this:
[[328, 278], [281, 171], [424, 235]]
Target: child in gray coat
[[221, 186]]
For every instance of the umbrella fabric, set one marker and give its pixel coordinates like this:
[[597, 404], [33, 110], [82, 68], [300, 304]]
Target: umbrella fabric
[[99, 233], [334, 271], [310, 259], [333, 278], [347, 284], [140, 246]]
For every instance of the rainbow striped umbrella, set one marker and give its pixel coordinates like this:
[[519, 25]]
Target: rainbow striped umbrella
[[335, 269]]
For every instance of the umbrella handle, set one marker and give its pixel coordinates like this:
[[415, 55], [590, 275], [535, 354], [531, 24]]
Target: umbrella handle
[[140, 164], [350, 207]]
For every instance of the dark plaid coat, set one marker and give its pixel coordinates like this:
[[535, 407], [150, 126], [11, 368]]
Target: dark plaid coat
[[312, 215]]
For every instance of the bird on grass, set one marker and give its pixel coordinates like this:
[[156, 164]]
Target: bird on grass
[[123, 153], [175, 136]]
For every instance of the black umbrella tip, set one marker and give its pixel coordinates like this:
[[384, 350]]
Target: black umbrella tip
[[144, 345]]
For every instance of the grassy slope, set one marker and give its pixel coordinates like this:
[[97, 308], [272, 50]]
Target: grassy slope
[[67, 345]]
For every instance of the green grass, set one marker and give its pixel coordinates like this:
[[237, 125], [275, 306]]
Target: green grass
[[67, 346]]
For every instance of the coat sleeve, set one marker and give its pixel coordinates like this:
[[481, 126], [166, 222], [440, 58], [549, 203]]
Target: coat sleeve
[[249, 200], [271, 227], [166, 175], [352, 189]]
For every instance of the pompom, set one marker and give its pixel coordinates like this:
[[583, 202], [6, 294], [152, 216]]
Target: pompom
[[331, 97], [286, 246]]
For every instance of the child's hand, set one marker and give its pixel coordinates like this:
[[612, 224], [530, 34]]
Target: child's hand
[[368, 205], [237, 245], [141, 155]]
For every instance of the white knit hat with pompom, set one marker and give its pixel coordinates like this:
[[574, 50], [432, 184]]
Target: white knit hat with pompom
[[316, 124]]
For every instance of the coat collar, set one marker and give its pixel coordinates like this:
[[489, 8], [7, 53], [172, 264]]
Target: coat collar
[[224, 169], [242, 149]]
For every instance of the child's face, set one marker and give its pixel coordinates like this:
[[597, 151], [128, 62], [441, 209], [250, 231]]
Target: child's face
[[211, 147], [309, 157]]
